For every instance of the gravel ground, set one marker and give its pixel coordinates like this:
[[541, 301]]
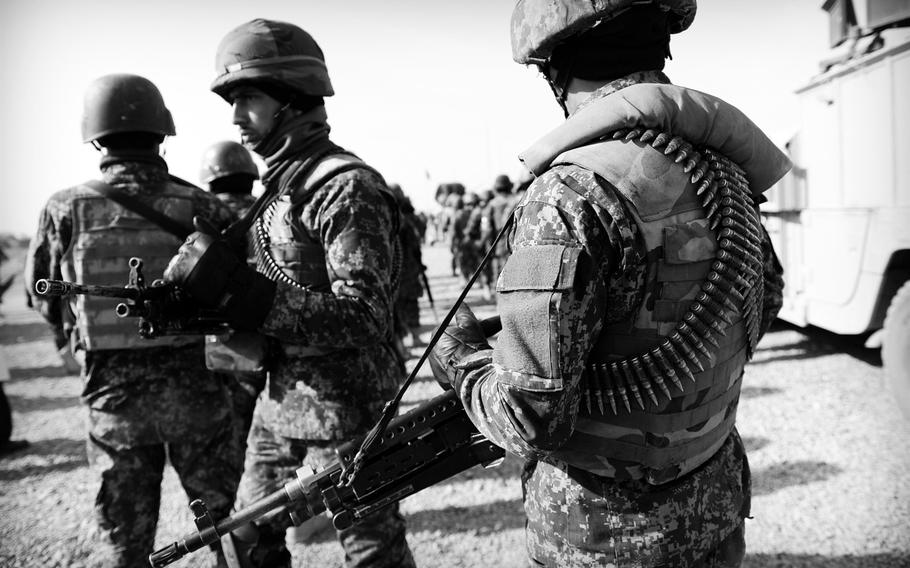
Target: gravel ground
[[828, 448]]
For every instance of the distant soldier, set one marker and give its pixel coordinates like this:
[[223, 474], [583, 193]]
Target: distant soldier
[[321, 293], [495, 214], [467, 232], [150, 401], [229, 172], [639, 283], [410, 287]]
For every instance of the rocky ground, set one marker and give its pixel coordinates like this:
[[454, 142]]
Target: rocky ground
[[829, 452]]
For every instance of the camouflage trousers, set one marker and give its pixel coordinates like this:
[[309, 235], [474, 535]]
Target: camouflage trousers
[[128, 447], [376, 542], [575, 518]]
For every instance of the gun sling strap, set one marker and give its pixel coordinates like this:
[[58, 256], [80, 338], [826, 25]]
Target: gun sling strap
[[146, 211]]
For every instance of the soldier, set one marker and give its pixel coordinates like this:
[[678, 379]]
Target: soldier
[[149, 400], [407, 308], [639, 283], [229, 172], [322, 290], [495, 213]]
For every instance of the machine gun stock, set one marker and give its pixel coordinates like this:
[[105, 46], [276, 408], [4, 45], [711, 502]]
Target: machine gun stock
[[424, 446], [162, 308]]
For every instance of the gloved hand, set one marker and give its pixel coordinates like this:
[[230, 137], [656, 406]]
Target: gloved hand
[[462, 338], [212, 275]]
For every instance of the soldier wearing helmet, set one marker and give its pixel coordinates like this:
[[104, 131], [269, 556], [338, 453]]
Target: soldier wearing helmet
[[639, 282], [321, 293], [148, 400], [493, 219], [229, 172]]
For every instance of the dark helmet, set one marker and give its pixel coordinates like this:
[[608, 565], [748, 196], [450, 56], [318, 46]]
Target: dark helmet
[[226, 158], [502, 183], [538, 26], [271, 52], [124, 103]]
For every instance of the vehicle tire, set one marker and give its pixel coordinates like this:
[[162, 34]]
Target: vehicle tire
[[896, 348]]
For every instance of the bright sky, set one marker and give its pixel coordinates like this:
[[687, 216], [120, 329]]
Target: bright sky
[[427, 91]]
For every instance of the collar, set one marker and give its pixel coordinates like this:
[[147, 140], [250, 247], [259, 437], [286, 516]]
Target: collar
[[622, 83]]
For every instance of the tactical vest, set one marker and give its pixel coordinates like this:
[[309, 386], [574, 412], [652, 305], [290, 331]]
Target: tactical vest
[[105, 236], [286, 251], [662, 387]]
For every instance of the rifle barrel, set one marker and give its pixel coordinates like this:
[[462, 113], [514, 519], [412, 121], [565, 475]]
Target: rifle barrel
[[48, 287]]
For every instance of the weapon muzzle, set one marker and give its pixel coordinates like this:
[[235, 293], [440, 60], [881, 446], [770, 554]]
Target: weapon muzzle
[[165, 556], [45, 287]]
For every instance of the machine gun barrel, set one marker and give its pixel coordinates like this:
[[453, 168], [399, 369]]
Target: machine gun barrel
[[48, 287], [420, 448]]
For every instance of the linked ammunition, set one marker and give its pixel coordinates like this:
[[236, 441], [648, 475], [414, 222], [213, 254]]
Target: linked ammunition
[[670, 371], [643, 380], [725, 285], [701, 329], [630, 382], [736, 263], [689, 336], [713, 307], [651, 368], [615, 373], [661, 140], [633, 134]]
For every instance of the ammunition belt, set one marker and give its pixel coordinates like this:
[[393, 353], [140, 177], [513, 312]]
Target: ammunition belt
[[735, 274]]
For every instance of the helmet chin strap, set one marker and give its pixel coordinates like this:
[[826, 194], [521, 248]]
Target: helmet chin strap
[[559, 84]]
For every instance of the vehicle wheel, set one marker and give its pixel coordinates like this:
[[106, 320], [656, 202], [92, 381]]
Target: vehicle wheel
[[896, 347]]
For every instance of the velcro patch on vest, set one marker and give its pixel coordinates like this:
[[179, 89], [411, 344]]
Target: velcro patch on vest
[[530, 284], [542, 267]]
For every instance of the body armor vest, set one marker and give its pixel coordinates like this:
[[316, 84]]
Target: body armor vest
[[105, 236], [287, 252], [661, 388]]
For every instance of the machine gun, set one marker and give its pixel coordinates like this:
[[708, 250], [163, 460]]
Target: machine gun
[[162, 308], [420, 448]]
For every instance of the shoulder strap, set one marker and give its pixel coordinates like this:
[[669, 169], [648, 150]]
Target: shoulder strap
[[110, 192]]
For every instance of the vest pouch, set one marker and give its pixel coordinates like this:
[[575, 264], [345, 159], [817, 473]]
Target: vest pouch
[[236, 352]]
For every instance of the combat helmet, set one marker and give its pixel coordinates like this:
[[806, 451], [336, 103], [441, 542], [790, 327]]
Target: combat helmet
[[538, 26], [273, 53], [226, 158], [122, 102]]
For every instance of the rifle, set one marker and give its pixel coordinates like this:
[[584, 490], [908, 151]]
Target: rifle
[[420, 448], [162, 308], [426, 286]]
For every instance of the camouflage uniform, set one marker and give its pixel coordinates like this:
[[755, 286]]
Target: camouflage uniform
[[495, 214], [580, 270], [410, 288], [334, 365], [145, 405], [237, 202]]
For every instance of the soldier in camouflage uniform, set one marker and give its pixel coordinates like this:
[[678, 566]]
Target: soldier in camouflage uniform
[[229, 172], [407, 308], [149, 400], [324, 237], [495, 213], [639, 283]]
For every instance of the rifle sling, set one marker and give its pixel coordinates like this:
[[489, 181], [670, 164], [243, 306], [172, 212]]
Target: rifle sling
[[145, 211]]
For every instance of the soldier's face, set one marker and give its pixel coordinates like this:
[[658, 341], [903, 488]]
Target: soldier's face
[[255, 113]]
